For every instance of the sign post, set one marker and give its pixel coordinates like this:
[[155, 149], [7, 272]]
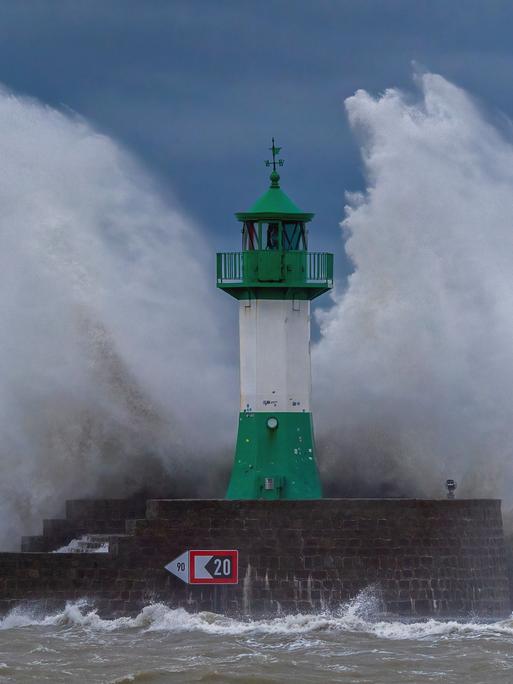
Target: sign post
[[200, 566]]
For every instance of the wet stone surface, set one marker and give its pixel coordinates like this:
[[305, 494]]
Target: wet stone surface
[[423, 557]]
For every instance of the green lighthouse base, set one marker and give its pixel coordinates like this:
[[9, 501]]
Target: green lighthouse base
[[275, 458]]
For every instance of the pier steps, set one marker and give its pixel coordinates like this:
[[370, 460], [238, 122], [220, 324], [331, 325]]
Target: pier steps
[[85, 517]]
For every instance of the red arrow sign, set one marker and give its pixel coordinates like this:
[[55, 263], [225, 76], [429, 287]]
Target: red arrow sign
[[213, 567]]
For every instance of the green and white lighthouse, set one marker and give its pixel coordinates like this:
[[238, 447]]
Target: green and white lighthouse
[[274, 278]]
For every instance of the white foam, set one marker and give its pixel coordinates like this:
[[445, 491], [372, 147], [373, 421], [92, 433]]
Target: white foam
[[353, 617], [84, 544], [414, 369], [101, 341]]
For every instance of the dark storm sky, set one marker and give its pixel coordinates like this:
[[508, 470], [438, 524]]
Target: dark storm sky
[[196, 88]]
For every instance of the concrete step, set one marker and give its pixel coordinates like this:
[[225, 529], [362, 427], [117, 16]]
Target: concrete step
[[105, 509], [35, 543], [92, 543], [86, 517]]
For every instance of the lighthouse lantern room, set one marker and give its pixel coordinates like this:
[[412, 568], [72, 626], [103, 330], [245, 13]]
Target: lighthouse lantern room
[[274, 278]]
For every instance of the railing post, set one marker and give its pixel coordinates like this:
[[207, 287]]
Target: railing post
[[219, 268]]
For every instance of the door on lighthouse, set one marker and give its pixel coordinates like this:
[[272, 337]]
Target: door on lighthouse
[[270, 266]]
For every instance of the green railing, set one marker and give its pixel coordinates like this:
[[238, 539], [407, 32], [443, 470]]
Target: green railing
[[259, 267], [319, 267], [230, 267]]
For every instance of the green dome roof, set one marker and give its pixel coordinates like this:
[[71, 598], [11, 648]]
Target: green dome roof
[[274, 204]]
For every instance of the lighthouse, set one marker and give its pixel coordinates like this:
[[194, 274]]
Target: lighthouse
[[274, 278]]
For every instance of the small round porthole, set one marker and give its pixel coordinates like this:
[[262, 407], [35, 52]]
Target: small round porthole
[[272, 423]]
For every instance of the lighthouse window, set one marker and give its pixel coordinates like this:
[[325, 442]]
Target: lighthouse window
[[250, 236], [273, 235], [294, 236]]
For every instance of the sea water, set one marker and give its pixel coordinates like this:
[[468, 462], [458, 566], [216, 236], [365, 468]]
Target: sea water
[[161, 644]]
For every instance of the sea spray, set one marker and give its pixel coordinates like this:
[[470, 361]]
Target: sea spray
[[113, 368], [414, 369]]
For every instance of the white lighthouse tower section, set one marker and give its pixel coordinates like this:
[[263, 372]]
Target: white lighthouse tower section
[[275, 373]]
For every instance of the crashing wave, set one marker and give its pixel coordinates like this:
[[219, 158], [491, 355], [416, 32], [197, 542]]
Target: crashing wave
[[356, 616]]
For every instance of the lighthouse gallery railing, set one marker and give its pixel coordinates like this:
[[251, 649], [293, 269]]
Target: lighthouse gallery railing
[[297, 266]]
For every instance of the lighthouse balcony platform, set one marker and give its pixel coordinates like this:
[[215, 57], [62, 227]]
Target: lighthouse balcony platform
[[308, 272]]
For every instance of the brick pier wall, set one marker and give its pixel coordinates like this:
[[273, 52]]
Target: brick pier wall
[[423, 557]]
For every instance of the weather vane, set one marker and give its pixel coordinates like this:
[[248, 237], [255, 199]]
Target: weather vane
[[275, 152]]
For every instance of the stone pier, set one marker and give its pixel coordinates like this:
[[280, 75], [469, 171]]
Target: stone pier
[[422, 557]]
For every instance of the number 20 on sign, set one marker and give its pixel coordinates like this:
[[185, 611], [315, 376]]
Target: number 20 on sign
[[202, 566]]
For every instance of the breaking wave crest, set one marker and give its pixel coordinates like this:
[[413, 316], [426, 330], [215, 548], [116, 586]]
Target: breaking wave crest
[[357, 616]]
